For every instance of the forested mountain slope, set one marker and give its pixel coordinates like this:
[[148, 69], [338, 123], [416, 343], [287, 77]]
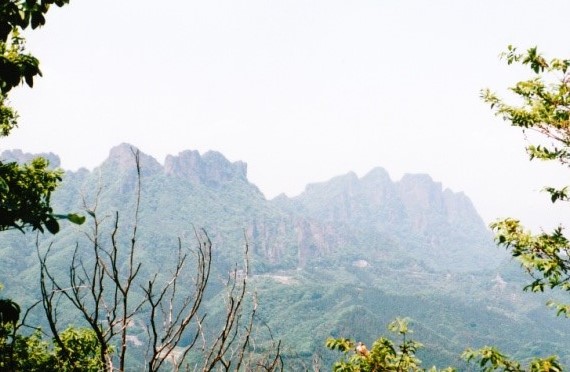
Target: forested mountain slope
[[341, 259]]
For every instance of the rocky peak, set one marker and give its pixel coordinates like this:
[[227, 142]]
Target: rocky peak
[[461, 211], [378, 187], [212, 168], [428, 204], [371, 199], [377, 176], [335, 186], [122, 157], [419, 191], [377, 182], [21, 157]]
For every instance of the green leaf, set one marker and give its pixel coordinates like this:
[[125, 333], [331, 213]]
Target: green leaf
[[29, 80], [4, 188], [9, 311], [76, 218], [52, 225], [38, 19], [71, 217]]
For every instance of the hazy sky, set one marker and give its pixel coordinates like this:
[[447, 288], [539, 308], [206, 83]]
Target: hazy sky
[[301, 90]]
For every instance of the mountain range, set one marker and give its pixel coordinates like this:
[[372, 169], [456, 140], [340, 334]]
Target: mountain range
[[343, 258]]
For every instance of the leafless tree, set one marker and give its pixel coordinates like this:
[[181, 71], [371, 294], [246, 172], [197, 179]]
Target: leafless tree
[[109, 292]]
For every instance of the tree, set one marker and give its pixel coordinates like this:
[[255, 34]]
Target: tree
[[33, 353], [16, 66], [383, 356], [491, 359], [25, 190], [110, 291], [544, 110]]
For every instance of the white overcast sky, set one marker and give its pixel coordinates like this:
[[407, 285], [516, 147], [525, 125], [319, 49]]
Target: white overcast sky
[[301, 90]]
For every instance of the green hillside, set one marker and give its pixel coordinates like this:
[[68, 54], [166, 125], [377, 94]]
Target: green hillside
[[342, 259]]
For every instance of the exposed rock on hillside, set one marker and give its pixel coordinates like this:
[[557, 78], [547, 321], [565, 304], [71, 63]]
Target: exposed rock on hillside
[[122, 158], [21, 157], [342, 220], [212, 169], [414, 217]]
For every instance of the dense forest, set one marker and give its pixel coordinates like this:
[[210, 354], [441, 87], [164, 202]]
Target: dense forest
[[342, 259]]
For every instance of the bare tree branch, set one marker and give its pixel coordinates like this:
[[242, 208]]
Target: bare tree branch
[[101, 287]]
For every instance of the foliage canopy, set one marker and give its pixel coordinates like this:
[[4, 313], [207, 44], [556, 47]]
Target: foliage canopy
[[25, 190], [384, 354], [544, 109]]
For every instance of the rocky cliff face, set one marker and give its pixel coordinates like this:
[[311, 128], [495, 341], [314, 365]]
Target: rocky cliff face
[[414, 215], [428, 206], [347, 199], [371, 218], [122, 158], [211, 169], [416, 202]]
